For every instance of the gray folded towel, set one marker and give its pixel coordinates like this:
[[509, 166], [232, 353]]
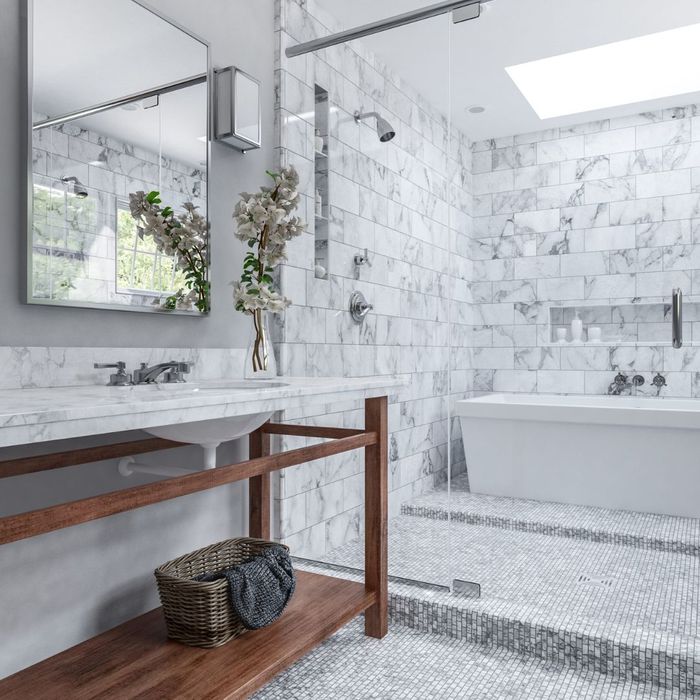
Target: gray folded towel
[[260, 588]]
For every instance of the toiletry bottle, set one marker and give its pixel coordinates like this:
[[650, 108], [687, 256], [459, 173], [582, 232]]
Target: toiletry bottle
[[319, 204], [318, 141], [576, 329]]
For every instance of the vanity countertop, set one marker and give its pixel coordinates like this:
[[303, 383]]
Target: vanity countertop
[[38, 415]]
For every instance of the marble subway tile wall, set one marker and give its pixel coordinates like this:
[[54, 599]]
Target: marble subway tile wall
[[408, 202], [601, 218]]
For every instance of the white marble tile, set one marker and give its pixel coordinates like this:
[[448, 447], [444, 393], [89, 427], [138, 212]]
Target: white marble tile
[[663, 134], [557, 150], [614, 189], [560, 382], [660, 184], [610, 238]]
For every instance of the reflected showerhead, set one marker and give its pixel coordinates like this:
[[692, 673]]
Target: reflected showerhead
[[385, 131], [75, 187]]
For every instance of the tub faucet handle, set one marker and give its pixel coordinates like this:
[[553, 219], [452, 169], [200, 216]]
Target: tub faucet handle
[[621, 379], [659, 380]]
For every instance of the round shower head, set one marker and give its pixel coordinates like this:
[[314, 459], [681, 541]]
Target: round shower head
[[385, 131]]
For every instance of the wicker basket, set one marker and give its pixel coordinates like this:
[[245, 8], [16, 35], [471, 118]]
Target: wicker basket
[[199, 613]]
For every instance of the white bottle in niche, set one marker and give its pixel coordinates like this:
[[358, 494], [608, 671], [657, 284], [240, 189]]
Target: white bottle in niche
[[576, 329], [318, 141], [319, 204]]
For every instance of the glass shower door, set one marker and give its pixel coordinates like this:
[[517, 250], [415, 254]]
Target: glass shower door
[[372, 153]]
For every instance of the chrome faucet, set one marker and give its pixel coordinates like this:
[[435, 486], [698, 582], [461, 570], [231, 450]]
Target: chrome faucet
[[677, 318], [173, 372], [637, 381], [619, 385]]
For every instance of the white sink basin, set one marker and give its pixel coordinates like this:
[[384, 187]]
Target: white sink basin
[[211, 433]]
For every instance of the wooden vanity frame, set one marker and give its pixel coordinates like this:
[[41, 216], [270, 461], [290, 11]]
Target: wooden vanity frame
[[136, 659]]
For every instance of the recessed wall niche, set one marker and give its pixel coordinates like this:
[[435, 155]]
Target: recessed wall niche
[[321, 189]]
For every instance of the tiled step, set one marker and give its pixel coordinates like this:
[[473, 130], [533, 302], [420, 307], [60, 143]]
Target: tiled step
[[628, 612], [413, 665], [645, 530]]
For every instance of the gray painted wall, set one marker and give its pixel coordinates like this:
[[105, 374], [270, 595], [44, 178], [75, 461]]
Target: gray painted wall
[[91, 577], [227, 26]]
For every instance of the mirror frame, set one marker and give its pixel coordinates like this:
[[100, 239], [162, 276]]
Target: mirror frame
[[27, 16]]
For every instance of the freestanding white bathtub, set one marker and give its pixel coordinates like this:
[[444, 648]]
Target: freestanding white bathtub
[[639, 454]]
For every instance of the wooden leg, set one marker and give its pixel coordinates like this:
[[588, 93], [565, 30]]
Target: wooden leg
[[259, 489], [376, 517]]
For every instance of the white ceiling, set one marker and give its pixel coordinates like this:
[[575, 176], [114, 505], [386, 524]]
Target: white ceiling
[[87, 52], [470, 58]]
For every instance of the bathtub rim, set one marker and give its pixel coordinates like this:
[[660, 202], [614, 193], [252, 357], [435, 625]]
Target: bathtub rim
[[584, 409]]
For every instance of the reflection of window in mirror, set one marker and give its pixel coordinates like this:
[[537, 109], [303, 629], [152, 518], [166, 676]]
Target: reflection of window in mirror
[[140, 267], [61, 233]]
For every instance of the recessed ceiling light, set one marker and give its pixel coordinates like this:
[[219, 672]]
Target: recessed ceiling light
[[476, 109], [648, 67]]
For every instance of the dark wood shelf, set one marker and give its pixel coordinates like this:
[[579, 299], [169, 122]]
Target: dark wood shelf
[[136, 660]]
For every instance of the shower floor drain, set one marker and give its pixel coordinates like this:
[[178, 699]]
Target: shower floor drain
[[595, 581]]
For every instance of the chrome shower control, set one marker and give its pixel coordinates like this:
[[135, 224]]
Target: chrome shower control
[[359, 307]]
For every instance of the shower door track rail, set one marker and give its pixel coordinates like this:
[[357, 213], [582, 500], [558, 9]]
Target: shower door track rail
[[441, 8], [136, 657]]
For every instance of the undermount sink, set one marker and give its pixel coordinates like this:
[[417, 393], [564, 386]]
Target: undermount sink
[[211, 433]]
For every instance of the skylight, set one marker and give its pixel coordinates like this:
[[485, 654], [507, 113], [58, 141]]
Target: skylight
[[648, 67]]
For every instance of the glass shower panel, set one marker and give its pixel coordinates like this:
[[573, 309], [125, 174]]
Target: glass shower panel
[[372, 151], [566, 245]]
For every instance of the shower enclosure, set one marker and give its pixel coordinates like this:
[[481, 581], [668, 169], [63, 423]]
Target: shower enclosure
[[472, 253]]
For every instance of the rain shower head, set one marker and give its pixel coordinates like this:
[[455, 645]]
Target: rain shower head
[[75, 187], [385, 131]]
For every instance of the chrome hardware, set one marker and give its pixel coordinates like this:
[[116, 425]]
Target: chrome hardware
[[359, 259], [637, 380], [382, 25], [619, 385], [120, 377], [359, 308], [677, 318], [149, 375], [659, 380]]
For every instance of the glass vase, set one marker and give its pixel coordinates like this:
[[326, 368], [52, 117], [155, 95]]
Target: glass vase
[[260, 359]]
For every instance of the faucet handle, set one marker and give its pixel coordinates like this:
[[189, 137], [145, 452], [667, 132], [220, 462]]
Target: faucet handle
[[120, 377], [361, 259], [174, 376], [659, 380], [621, 379]]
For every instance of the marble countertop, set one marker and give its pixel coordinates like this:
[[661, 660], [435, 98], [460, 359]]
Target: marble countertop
[[38, 415]]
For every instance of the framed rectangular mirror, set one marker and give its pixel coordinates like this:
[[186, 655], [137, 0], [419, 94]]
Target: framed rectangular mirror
[[118, 159]]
